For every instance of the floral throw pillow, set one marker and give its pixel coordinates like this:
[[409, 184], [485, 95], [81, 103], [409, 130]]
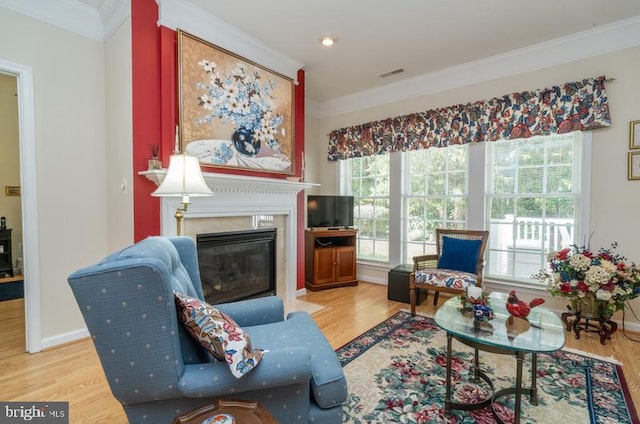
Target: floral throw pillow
[[218, 333]]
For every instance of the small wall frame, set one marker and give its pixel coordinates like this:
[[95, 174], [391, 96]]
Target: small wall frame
[[634, 135], [12, 191], [634, 165]]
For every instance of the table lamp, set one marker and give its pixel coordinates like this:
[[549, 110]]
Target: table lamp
[[184, 179]]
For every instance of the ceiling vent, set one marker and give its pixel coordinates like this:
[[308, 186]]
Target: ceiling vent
[[395, 72]]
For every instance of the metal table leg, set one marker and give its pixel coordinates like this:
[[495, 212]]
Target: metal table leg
[[533, 399], [519, 360], [449, 402], [447, 396]]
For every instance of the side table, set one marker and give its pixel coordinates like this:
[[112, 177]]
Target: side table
[[243, 411], [603, 326], [543, 333]]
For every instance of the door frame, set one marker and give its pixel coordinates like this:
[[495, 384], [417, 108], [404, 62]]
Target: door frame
[[29, 199]]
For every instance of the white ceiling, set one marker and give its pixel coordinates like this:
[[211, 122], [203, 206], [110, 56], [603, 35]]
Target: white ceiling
[[419, 36]]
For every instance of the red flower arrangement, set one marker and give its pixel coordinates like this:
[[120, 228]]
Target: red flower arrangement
[[605, 279]]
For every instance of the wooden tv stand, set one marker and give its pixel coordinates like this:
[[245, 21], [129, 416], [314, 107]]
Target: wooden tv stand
[[330, 258]]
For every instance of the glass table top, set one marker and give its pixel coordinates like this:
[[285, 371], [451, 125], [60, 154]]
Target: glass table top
[[543, 331]]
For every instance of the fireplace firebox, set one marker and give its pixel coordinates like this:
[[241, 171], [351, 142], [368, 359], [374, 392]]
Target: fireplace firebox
[[237, 265]]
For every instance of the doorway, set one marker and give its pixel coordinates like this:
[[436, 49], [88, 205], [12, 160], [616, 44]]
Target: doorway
[[29, 203], [12, 310]]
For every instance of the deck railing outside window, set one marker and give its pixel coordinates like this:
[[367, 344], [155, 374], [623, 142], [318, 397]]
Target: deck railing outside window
[[519, 246]]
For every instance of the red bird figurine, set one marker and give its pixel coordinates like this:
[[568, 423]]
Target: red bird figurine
[[518, 308]]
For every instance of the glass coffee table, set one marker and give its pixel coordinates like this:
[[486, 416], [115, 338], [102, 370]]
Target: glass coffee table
[[542, 332]]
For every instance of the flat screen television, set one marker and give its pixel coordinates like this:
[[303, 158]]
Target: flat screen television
[[329, 211]]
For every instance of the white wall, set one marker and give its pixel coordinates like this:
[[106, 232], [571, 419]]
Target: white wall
[[311, 151], [615, 201], [119, 147], [69, 95]]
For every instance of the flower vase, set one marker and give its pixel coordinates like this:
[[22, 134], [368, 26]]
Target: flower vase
[[589, 307], [154, 164], [482, 312], [245, 142]]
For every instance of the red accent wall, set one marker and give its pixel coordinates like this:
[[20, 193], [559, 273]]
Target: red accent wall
[[146, 113], [155, 115]]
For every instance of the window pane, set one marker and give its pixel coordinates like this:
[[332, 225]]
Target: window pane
[[504, 153], [560, 179], [418, 186], [457, 183], [356, 187], [529, 207], [560, 152], [504, 180], [501, 207], [530, 153], [437, 184], [457, 209], [435, 209], [530, 180], [365, 248], [561, 207], [436, 161], [382, 208], [382, 229]]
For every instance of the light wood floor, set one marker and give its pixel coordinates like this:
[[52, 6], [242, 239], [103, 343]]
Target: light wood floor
[[72, 372], [12, 327]]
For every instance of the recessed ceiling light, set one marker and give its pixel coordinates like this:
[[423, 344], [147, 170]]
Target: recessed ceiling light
[[328, 40]]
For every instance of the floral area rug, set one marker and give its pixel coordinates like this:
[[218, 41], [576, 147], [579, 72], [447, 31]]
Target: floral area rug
[[397, 374]]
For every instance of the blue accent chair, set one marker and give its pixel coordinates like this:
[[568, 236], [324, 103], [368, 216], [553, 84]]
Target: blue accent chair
[[157, 370]]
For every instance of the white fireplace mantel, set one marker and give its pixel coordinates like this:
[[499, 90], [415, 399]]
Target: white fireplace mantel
[[240, 195]]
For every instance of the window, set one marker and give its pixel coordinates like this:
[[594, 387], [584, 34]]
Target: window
[[436, 196], [370, 188], [532, 199], [531, 194]]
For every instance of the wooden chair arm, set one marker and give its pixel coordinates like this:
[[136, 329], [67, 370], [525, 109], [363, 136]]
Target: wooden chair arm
[[425, 261]]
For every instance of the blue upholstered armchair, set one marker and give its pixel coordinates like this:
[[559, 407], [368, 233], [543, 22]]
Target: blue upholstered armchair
[[157, 370]]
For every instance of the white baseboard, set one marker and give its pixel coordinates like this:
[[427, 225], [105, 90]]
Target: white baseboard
[[60, 339]]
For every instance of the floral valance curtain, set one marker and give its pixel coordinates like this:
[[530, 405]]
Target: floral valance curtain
[[580, 105]]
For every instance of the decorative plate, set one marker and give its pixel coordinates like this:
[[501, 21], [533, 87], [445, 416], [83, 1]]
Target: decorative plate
[[220, 419]]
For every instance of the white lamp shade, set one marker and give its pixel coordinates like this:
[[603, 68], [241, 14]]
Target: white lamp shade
[[184, 179]]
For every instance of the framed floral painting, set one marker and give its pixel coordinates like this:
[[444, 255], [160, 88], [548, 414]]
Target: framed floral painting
[[233, 112]]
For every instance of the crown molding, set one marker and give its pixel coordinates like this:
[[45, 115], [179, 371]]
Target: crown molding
[[114, 13], [71, 15], [601, 40], [184, 15]]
